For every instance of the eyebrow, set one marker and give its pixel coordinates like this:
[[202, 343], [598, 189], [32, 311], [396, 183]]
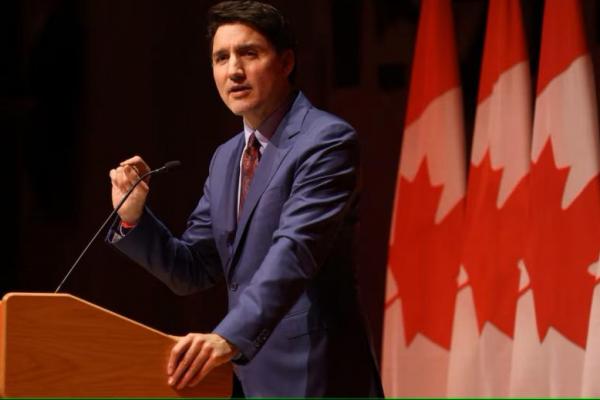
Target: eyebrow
[[238, 49], [248, 46]]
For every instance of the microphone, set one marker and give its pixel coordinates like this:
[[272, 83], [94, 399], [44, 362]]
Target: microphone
[[165, 168], [169, 165]]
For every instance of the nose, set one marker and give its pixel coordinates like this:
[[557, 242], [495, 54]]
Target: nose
[[235, 69]]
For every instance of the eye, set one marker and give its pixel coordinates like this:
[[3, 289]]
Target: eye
[[219, 58]]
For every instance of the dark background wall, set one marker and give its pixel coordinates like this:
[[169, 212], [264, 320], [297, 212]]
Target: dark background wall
[[86, 84]]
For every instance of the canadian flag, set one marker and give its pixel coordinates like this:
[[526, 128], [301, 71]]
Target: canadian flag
[[496, 212], [553, 311], [425, 238]]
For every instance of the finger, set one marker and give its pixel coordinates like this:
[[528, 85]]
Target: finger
[[134, 168], [176, 352], [132, 178], [131, 172], [140, 169], [138, 162], [196, 366], [119, 179], [183, 366], [184, 363], [144, 185], [212, 362], [126, 177]]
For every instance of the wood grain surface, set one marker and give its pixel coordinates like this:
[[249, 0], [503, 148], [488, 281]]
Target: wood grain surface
[[57, 345]]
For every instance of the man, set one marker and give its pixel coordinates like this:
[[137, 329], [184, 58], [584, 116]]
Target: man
[[276, 221]]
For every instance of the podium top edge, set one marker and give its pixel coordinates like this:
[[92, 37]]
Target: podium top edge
[[38, 294]]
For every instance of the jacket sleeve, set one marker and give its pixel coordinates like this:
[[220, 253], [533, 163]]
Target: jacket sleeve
[[323, 189], [185, 265]]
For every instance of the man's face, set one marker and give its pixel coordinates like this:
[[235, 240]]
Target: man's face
[[251, 77]]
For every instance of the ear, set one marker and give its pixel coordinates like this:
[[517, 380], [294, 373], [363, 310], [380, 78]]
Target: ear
[[288, 60]]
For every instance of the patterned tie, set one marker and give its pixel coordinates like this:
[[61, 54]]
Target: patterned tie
[[250, 159]]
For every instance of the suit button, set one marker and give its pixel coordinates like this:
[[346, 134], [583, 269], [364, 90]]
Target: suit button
[[233, 286]]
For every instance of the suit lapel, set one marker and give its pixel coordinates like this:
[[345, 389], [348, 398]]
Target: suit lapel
[[278, 148], [227, 211]]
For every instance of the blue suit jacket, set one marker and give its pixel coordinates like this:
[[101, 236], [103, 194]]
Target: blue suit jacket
[[288, 263]]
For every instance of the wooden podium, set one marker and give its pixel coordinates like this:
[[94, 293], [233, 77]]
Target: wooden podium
[[57, 345]]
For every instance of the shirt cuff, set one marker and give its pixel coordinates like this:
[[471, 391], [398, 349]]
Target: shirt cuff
[[124, 228]]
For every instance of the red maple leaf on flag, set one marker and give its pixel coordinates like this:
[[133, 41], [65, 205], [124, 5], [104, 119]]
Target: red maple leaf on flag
[[493, 245], [424, 258], [563, 244]]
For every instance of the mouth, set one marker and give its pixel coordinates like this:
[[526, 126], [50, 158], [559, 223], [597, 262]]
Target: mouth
[[239, 90]]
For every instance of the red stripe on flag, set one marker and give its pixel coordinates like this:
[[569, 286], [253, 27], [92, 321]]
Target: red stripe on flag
[[563, 39], [435, 69], [503, 26]]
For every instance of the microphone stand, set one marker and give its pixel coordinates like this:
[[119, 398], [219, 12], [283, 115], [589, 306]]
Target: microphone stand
[[169, 165]]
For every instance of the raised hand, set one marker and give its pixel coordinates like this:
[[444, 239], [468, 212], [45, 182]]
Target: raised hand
[[122, 178]]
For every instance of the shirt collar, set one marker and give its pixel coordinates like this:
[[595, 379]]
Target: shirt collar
[[268, 127]]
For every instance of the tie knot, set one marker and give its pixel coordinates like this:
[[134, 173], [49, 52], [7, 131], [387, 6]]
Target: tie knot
[[253, 142]]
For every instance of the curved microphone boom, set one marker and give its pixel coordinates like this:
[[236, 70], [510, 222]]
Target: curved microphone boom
[[165, 168]]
